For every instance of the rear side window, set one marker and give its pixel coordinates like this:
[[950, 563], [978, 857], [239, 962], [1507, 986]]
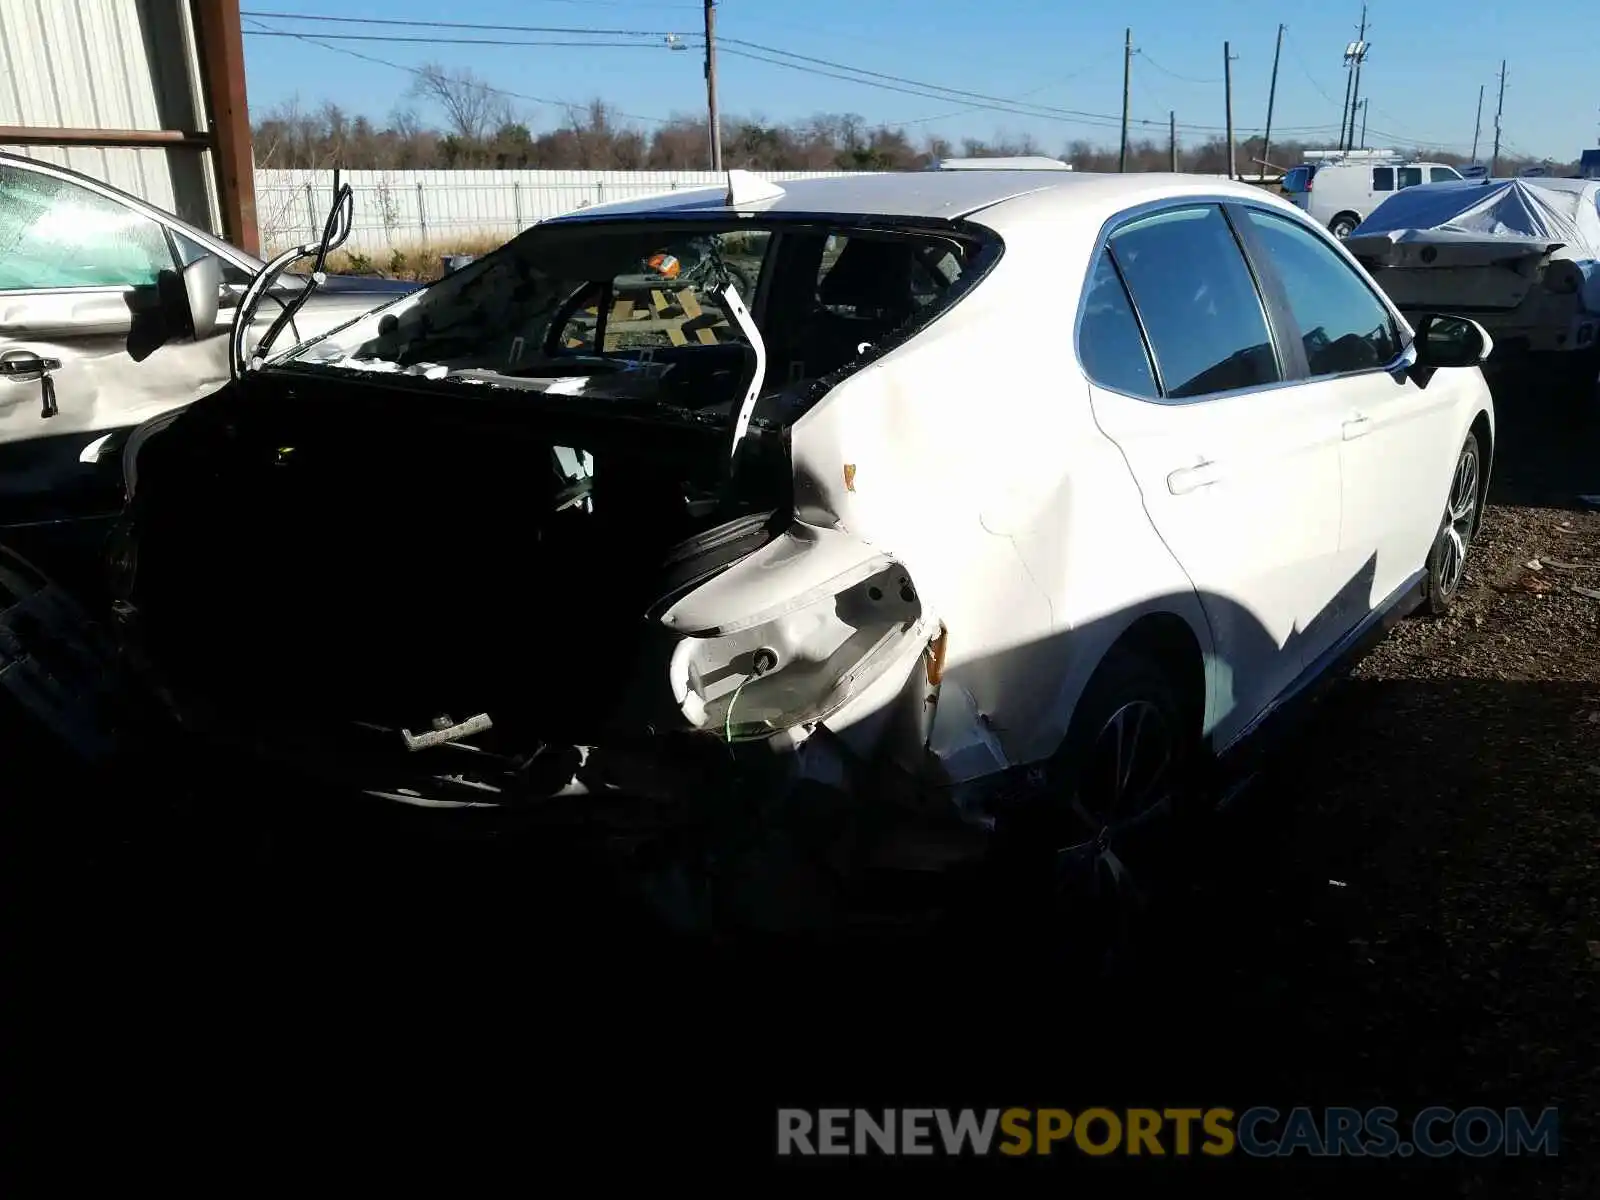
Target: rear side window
[[1198, 302], [1383, 179], [1109, 341], [1410, 176], [1441, 175], [1344, 327]]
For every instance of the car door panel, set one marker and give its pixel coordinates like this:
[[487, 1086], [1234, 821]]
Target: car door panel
[[1244, 491], [1396, 452], [1242, 486], [1397, 439], [107, 382]]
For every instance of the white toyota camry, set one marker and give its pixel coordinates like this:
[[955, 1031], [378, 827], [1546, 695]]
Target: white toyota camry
[[1032, 491]]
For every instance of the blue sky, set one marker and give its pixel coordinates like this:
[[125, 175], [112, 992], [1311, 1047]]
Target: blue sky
[[1422, 75]]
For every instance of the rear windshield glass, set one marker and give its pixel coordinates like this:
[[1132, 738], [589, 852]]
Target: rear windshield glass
[[620, 307]]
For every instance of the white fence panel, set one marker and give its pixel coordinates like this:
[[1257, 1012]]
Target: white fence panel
[[438, 211]]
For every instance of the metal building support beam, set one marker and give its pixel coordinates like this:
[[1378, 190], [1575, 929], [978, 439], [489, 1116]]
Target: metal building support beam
[[221, 45], [217, 119]]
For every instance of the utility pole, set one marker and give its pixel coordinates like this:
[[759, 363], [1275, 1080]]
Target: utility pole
[[1363, 124], [1272, 95], [1477, 124], [1172, 138], [1127, 70], [713, 119], [1494, 162], [1344, 113], [1355, 88], [1227, 86]]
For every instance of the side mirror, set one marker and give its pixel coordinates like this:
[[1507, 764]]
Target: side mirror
[[202, 289], [1444, 341]]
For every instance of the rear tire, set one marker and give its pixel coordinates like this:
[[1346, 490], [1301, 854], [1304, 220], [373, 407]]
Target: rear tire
[[1091, 854], [1343, 225], [1447, 559], [740, 278]]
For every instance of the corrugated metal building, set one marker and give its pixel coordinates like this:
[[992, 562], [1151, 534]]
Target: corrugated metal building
[[122, 68]]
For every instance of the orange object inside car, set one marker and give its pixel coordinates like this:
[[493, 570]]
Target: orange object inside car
[[663, 264]]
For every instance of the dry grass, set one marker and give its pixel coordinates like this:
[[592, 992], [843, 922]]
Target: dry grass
[[407, 260]]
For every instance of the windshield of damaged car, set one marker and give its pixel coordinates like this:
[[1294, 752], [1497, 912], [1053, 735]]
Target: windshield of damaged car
[[583, 309]]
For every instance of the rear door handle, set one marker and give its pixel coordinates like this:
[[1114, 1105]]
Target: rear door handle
[[1357, 426], [1192, 479]]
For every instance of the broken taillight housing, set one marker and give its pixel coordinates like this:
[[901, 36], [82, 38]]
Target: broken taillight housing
[[801, 666]]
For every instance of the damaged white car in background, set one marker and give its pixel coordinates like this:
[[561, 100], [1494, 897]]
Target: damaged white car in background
[[1008, 499]]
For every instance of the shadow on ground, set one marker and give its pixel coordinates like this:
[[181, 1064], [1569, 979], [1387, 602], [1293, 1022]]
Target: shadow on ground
[[1402, 912], [1335, 945], [1548, 436]]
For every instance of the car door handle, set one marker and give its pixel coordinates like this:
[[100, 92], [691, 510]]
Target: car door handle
[[1192, 479], [21, 365], [25, 364], [1357, 426]]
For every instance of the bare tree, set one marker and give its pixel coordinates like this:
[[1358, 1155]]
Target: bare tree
[[472, 108], [482, 130]]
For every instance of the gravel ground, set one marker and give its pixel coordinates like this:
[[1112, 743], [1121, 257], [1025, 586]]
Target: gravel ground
[[1405, 911]]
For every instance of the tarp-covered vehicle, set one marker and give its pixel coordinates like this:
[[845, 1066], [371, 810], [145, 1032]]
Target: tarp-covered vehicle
[[1521, 256]]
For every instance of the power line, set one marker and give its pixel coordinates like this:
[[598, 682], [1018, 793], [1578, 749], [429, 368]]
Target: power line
[[899, 83], [1301, 63], [417, 71], [737, 47], [454, 41], [1036, 112], [416, 24], [1185, 78], [961, 112]]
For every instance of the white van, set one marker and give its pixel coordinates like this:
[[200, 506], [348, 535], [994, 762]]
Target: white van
[[1341, 192]]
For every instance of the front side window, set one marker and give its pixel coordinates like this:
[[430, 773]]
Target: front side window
[[1109, 341], [1383, 179], [1410, 176], [1198, 301], [1442, 174], [57, 234], [1343, 325]]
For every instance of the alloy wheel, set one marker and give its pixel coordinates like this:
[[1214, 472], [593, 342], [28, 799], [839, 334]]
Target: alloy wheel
[[1113, 816], [1456, 532]]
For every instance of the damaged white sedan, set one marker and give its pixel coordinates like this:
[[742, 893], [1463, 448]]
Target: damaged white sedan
[[1006, 499]]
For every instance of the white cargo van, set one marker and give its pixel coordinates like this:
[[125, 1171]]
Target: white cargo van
[[1340, 192]]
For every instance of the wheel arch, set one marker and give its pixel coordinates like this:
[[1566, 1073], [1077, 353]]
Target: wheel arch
[[1171, 644], [1483, 429]]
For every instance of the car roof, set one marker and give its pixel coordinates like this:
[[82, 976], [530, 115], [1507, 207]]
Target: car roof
[[930, 195]]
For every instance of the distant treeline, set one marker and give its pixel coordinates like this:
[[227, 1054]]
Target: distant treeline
[[483, 130]]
